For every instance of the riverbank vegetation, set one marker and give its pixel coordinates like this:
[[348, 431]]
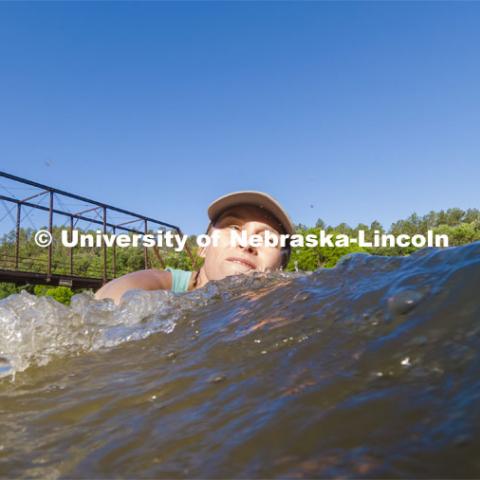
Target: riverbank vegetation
[[461, 226]]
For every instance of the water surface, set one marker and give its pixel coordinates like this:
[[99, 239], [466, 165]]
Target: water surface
[[370, 369]]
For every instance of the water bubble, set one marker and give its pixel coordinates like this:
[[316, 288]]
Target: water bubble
[[217, 379], [55, 387], [404, 302], [301, 297], [406, 362]]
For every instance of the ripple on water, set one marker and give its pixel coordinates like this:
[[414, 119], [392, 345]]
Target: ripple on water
[[269, 376]]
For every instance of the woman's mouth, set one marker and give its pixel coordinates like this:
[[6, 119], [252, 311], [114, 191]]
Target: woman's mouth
[[242, 261]]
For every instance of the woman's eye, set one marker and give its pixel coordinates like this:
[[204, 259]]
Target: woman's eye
[[235, 227]]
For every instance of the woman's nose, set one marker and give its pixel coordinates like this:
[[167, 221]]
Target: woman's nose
[[249, 248]]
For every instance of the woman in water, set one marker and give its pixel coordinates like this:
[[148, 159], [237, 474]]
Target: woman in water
[[250, 213]]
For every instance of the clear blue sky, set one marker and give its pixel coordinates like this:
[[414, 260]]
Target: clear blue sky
[[345, 111]]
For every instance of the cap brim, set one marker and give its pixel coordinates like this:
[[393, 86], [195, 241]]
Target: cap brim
[[257, 199]]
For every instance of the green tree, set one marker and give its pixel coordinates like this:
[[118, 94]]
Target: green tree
[[60, 294], [310, 258], [7, 289]]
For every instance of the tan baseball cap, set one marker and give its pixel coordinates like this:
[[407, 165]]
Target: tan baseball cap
[[257, 199]]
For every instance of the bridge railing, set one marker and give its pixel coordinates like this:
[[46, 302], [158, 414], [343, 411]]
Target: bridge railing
[[74, 210]]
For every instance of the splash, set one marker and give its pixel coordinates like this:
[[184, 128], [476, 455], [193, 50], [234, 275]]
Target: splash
[[33, 330]]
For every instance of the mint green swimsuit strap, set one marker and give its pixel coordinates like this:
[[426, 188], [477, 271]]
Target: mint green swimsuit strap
[[180, 280]]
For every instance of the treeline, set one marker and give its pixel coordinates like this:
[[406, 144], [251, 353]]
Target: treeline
[[461, 227], [87, 261]]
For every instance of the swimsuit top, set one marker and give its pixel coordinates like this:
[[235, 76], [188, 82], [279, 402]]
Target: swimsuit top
[[180, 280]]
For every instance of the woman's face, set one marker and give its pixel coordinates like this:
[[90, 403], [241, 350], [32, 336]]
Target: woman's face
[[225, 259]]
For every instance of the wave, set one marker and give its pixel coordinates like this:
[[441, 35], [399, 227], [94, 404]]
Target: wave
[[369, 369]]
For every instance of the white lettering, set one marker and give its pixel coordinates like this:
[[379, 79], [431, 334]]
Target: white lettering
[[66, 242], [418, 241], [203, 240], [342, 240], [403, 240], [441, 240]]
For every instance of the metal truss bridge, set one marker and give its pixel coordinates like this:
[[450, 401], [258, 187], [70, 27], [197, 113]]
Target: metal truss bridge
[[27, 206]]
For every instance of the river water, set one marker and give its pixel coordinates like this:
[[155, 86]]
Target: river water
[[367, 370]]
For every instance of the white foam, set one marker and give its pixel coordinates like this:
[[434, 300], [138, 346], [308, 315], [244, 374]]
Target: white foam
[[33, 329]]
